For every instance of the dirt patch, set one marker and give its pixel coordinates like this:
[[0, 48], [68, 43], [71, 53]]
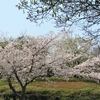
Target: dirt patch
[[73, 85]]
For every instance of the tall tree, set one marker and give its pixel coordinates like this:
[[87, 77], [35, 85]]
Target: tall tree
[[26, 59], [65, 13]]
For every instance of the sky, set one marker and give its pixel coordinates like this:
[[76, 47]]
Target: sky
[[13, 22]]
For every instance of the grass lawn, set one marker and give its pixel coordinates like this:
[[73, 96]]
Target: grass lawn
[[57, 90]]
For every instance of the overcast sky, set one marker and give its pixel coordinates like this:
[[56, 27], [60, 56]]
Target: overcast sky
[[13, 22]]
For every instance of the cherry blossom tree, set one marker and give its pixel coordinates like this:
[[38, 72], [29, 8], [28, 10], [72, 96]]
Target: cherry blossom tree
[[26, 59], [89, 69]]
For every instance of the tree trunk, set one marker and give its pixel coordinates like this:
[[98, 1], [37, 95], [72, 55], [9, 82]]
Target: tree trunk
[[23, 97]]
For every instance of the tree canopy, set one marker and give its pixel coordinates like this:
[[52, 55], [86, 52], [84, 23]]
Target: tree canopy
[[29, 58], [65, 13]]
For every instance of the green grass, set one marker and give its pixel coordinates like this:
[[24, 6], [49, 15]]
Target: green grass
[[75, 89]]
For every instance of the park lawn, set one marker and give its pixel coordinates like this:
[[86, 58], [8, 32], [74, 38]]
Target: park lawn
[[74, 90]]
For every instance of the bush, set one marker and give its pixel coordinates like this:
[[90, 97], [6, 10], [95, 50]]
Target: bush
[[61, 79], [80, 95]]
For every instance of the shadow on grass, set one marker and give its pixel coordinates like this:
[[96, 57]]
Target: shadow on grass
[[80, 95]]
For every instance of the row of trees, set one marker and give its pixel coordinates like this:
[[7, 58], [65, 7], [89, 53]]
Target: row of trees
[[25, 59]]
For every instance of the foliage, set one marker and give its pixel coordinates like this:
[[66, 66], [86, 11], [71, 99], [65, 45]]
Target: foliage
[[4, 40], [96, 50], [3, 44], [65, 13], [76, 48], [50, 79], [76, 61]]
